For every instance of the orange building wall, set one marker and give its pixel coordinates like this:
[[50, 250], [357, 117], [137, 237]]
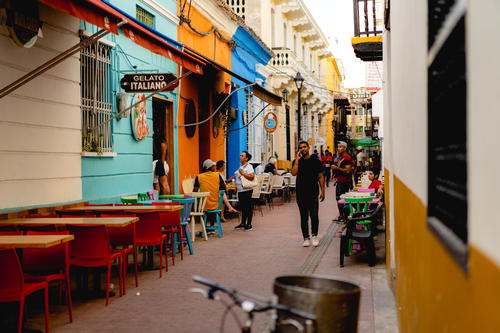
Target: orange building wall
[[215, 49]]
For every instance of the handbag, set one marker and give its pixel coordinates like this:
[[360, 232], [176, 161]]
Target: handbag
[[247, 183]]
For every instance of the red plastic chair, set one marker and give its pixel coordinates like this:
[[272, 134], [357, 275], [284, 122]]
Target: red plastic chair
[[8, 228], [49, 264], [171, 222], [13, 287], [91, 248], [148, 231], [10, 233], [126, 238]]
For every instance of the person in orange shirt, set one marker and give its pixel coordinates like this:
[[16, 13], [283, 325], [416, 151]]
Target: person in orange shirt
[[209, 180]]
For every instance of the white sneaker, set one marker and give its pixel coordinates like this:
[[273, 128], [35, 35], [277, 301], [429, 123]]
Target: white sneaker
[[315, 241], [306, 243]]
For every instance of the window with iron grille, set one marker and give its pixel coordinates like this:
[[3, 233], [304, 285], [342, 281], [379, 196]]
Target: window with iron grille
[[238, 6], [145, 17], [95, 93]]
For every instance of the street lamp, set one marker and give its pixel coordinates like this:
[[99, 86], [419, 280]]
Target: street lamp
[[285, 92], [299, 81]]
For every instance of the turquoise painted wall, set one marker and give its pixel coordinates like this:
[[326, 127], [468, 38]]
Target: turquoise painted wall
[[105, 179]]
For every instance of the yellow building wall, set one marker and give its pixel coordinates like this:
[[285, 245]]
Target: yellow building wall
[[433, 293], [333, 82], [192, 151]]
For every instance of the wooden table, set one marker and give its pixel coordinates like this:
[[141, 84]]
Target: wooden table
[[108, 221], [127, 208], [33, 241]]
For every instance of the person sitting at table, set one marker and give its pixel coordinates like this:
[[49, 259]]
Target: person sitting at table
[[220, 165], [271, 166], [209, 180]]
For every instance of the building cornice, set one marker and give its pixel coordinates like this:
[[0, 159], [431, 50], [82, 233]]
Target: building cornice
[[211, 10], [159, 8]]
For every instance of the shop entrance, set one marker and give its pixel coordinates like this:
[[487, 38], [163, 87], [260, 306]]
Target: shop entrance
[[163, 129]]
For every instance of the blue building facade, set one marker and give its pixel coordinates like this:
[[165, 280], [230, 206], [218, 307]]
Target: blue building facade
[[248, 53], [128, 170]]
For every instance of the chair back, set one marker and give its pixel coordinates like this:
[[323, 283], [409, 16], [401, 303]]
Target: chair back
[[293, 180], [186, 210], [91, 242], [200, 201], [277, 180], [10, 233], [188, 185], [152, 195], [257, 189], [54, 259], [142, 196], [122, 236], [38, 227], [8, 227], [12, 281], [149, 228]]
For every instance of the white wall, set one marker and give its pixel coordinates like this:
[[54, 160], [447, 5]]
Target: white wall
[[40, 123], [406, 127], [483, 120]]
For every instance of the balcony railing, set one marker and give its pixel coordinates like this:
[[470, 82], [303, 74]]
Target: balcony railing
[[368, 18], [286, 61]]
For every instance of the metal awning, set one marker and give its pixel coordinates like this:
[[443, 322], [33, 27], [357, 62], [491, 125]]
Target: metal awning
[[258, 90]]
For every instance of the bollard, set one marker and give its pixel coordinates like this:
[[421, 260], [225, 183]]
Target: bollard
[[335, 303]]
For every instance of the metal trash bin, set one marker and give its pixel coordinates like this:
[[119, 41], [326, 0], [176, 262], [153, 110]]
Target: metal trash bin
[[335, 303]]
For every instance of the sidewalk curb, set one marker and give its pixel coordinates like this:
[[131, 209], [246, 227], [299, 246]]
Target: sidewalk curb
[[312, 262]]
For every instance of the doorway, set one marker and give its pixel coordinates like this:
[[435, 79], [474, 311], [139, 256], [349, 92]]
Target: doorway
[[163, 129]]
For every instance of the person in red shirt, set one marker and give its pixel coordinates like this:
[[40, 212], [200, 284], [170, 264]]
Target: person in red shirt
[[342, 169], [326, 161], [375, 183]]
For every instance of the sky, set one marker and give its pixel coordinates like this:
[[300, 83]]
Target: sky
[[335, 18]]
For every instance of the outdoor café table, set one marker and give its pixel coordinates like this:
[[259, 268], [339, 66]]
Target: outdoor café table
[[33, 241], [107, 221], [128, 208], [150, 202]]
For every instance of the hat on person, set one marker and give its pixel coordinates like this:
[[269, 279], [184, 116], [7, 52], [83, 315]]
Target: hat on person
[[207, 164], [342, 143]]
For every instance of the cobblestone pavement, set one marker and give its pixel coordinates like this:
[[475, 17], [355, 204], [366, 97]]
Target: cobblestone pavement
[[243, 260]]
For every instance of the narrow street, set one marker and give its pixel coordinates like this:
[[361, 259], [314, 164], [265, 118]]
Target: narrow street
[[243, 260]]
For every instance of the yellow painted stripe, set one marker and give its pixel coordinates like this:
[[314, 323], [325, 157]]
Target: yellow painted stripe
[[359, 40]]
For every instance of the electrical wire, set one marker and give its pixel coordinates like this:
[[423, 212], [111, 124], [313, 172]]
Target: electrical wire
[[218, 108], [246, 125]]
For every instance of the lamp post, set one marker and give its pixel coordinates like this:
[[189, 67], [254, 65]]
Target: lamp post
[[285, 92], [304, 114], [299, 81]]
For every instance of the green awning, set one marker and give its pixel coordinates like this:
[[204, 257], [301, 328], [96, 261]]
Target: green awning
[[367, 142]]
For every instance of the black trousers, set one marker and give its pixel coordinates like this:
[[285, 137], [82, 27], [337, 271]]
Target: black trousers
[[245, 200], [308, 207]]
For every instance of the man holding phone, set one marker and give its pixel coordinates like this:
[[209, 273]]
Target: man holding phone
[[309, 183]]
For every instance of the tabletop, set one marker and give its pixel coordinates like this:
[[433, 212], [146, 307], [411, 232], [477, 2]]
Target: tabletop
[[34, 241], [127, 208], [150, 202], [108, 221]]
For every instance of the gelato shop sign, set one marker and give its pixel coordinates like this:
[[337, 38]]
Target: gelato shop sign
[[148, 82]]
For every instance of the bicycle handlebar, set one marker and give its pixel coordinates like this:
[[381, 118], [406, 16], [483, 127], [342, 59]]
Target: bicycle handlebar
[[233, 293]]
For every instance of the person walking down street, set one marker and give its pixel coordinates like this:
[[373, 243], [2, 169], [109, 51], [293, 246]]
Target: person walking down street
[[327, 160], [220, 165], [309, 184], [245, 194], [161, 170], [209, 180], [343, 173]]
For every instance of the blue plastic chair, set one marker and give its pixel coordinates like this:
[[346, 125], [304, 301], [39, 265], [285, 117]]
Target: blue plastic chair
[[217, 212], [185, 218]]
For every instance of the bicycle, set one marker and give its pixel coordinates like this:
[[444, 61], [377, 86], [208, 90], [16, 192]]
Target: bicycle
[[252, 307]]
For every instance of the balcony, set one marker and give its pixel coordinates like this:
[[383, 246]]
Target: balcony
[[368, 29]]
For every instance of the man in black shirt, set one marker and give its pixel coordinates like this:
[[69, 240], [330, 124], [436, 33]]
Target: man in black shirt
[[308, 185]]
